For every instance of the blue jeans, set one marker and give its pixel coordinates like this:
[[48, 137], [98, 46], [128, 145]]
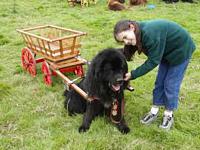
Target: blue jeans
[[167, 85]]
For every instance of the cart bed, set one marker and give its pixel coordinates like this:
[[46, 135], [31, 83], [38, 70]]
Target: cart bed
[[52, 42]]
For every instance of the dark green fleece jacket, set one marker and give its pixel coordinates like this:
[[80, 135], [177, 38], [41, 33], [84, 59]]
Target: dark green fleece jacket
[[164, 41]]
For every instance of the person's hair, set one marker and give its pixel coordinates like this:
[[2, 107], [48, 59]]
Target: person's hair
[[121, 26], [129, 50]]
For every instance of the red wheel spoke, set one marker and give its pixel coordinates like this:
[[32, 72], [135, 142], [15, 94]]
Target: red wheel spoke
[[79, 71], [46, 73], [28, 61]]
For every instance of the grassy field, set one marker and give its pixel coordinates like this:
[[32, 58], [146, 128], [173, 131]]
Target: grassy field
[[32, 115]]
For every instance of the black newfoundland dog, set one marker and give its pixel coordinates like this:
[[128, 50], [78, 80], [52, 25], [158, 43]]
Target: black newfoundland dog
[[105, 85]]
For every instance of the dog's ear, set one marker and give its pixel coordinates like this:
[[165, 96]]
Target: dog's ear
[[96, 67], [91, 78], [97, 74], [94, 70]]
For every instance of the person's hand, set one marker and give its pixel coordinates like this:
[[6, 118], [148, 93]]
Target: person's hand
[[127, 76]]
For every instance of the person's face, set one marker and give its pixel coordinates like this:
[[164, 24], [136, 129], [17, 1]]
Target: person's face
[[127, 36]]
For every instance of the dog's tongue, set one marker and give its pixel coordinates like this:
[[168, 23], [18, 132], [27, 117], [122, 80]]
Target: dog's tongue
[[116, 87]]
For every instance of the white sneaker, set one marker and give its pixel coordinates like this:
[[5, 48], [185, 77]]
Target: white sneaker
[[148, 118], [167, 122]]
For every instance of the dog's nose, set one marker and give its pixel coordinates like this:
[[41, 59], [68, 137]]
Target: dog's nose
[[119, 81]]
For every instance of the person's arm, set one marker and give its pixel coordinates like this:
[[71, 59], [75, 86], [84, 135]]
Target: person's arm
[[143, 69], [155, 53]]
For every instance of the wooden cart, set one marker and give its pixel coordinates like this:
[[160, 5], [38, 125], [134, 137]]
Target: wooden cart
[[58, 48]]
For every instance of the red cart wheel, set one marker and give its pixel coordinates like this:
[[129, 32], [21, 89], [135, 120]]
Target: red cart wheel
[[79, 71], [28, 61], [47, 73]]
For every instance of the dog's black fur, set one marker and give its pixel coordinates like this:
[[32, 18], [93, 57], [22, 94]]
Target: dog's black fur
[[175, 1], [103, 79]]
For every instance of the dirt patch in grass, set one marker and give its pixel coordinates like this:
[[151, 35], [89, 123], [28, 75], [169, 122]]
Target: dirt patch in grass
[[4, 90], [3, 40]]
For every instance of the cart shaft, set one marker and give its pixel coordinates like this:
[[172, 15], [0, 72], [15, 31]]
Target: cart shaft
[[73, 85]]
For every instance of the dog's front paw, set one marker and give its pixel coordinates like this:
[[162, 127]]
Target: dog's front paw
[[82, 129], [124, 129]]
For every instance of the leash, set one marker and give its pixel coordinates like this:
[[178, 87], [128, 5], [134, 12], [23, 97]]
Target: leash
[[117, 111]]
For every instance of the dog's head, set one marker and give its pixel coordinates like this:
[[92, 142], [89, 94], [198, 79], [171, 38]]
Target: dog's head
[[105, 76], [111, 73], [110, 68]]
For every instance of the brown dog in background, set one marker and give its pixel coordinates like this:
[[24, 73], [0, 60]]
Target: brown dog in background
[[116, 5], [137, 2]]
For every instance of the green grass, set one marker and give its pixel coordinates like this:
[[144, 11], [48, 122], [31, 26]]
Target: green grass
[[32, 115]]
